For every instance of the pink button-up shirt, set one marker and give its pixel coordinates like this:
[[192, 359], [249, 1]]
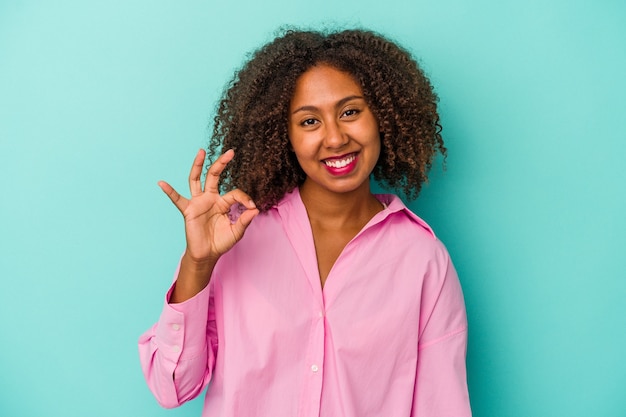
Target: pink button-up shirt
[[385, 337]]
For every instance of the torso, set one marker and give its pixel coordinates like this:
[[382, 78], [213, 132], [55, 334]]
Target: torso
[[267, 313], [335, 219], [328, 246]]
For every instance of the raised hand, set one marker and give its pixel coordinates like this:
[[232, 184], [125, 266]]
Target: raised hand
[[208, 228]]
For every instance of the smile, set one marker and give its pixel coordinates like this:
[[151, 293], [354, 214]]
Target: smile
[[340, 163]]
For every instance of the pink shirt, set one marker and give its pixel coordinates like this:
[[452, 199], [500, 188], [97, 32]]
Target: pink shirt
[[385, 337]]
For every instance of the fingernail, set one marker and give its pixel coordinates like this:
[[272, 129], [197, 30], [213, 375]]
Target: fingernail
[[251, 203]]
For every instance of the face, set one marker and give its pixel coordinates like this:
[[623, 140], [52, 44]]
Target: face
[[332, 131]]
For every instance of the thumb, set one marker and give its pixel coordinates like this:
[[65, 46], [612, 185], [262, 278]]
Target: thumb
[[179, 201], [244, 220]]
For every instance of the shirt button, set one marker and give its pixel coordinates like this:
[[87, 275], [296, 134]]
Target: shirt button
[[314, 368], [321, 313], [176, 348], [176, 326]]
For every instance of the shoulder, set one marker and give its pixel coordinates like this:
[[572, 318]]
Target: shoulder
[[398, 214], [406, 231]]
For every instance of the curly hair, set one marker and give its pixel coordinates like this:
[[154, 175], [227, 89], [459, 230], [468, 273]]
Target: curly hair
[[252, 116]]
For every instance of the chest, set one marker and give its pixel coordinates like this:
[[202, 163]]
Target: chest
[[369, 280], [370, 274], [329, 244]]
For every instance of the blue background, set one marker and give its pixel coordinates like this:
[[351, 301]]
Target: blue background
[[100, 99]]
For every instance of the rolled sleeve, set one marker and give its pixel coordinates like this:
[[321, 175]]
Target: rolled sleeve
[[441, 379], [441, 387], [175, 356]]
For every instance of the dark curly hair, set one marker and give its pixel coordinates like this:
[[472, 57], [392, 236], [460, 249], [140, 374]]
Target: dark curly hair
[[252, 117]]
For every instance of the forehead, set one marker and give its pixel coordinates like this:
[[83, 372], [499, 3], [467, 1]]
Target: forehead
[[323, 83]]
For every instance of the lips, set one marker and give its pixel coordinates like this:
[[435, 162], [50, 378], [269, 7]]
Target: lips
[[340, 162], [341, 165]]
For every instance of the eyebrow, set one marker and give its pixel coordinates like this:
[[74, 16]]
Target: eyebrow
[[339, 104]]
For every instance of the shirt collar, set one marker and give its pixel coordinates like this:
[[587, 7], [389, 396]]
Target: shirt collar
[[393, 206]]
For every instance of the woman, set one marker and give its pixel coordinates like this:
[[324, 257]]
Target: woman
[[336, 301]]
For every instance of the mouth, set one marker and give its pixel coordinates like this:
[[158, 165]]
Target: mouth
[[341, 165], [340, 162]]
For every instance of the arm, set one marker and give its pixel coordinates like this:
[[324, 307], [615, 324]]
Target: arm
[[208, 230], [441, 383], [178, 353]]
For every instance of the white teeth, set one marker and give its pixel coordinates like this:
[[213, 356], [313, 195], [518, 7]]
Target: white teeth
[[340, 163]]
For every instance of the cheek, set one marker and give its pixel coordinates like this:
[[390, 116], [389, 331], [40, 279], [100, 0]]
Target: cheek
[[289, 135], [298, 147], [376, 140], [297, 142], [304, 144], [376, 148]]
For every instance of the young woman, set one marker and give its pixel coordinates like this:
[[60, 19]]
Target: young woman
[[335, 302]]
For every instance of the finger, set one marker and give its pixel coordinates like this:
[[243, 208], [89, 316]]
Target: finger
[[195, 182], [179, 201], [238, 196], [246, 217], [213, 175], [243, 222]]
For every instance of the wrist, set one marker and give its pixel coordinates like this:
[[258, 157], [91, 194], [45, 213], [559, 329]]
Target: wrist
[[193, 277], [198, 264]]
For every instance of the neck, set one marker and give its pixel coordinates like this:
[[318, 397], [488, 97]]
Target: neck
[[340, 210]]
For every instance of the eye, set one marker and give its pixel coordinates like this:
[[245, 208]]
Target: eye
[[350, 113], [308, 122]]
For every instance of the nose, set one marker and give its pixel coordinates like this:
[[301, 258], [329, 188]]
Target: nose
[[334, 137]]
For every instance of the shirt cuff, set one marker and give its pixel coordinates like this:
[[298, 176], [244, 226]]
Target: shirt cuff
[[182, 327]]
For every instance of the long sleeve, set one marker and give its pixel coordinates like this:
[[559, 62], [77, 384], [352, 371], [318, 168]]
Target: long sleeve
[[441, 383], [178, 353]]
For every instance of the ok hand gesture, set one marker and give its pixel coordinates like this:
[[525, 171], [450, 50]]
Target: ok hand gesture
[[209, 231]]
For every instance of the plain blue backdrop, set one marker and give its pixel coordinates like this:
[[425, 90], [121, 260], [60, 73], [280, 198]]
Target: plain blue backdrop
[[101, 99]]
